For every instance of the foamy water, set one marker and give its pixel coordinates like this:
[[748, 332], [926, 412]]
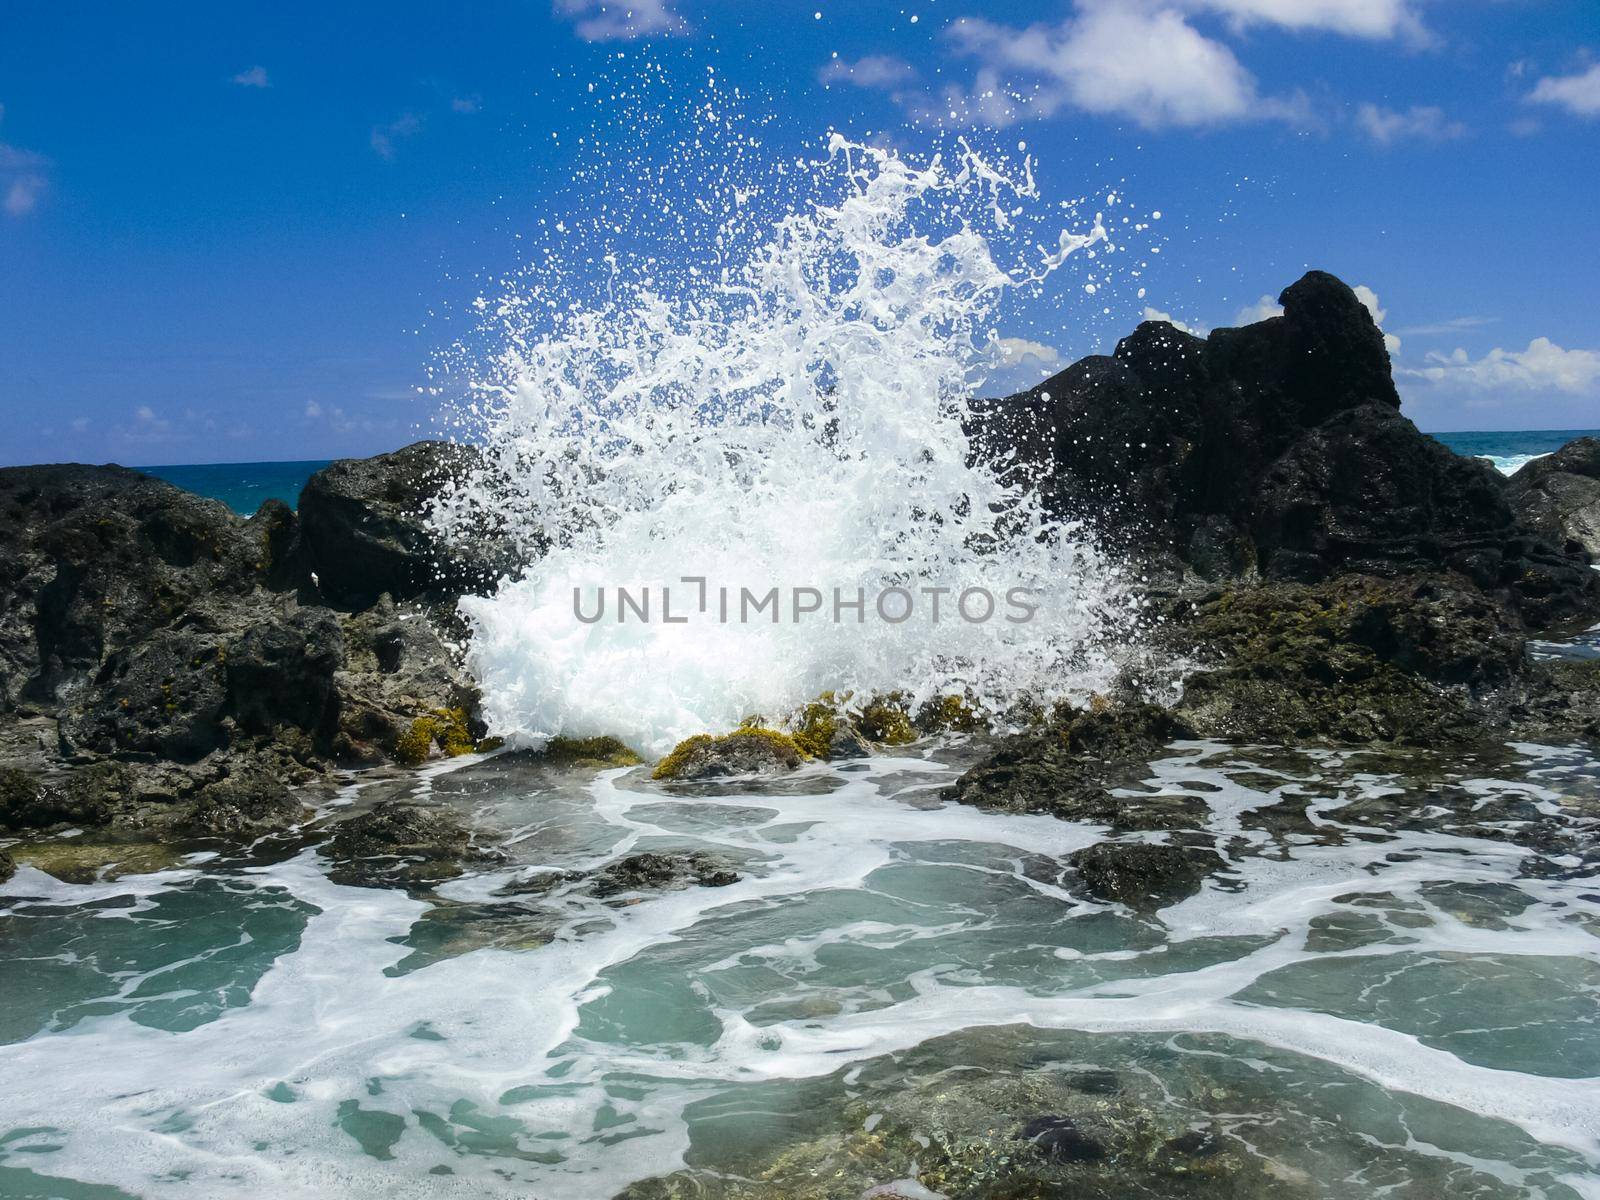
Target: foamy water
[[1347, 1004]]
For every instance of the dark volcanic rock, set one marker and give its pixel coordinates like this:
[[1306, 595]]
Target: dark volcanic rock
[[1358, 659], [1559, 495], [88, 797], [1143, 875], [650, 871], [1060, 1138], [244, 805], [19, 798], [364, 529], [1277, 450], [95, 559], [402, 843], [163, 698], [1084, 769], [396, 668], [281, 672]]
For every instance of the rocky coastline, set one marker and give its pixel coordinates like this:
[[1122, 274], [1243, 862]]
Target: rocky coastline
[[171, 673]]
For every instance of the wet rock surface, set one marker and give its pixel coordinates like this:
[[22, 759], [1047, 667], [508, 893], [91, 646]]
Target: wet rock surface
[[1559, 496], [1354, 660], [650, 871], [1144, 875], [742, 752], [1087, 767], [399, 843], [244, 806]]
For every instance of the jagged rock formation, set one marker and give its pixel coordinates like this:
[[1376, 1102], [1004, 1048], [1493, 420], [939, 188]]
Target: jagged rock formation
[[1559, 495], [363, 529], [1277, 451], [154, 632]]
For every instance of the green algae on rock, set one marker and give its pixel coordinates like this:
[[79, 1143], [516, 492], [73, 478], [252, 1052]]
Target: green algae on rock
[[445, 729], [596, 752], [751, 750]]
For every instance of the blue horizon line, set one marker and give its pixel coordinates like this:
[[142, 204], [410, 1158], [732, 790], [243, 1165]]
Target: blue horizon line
[[281, 462]]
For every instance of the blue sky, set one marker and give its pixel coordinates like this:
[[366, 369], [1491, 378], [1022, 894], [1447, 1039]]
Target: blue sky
[[244, 231]]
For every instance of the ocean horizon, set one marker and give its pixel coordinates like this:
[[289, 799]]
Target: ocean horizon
[[245, 486]]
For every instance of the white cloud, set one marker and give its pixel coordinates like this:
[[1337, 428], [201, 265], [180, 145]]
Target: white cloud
[[466, 105], [22, 177], [1262, 310], [1542, 367], [1422, 123], [874, 71], [80, 424], [623, 20], [1155, 314], [22, 194], [1150, 66], [1579, 94], [1376, 19], [384, 137], [1452, 325], [253, 77], [1369, 299], [1015, 351], [1266, 308], [313, 410]]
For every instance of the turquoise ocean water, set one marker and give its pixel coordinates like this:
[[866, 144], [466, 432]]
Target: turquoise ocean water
[[244, 487], [1511, 449]]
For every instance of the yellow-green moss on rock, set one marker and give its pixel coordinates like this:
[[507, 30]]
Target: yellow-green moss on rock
[[589, 752], [884, 720], [949, 714], [749, 750], [816, 724], [445, 728]]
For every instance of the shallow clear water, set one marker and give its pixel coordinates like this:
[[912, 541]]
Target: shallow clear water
[[1392, 989]]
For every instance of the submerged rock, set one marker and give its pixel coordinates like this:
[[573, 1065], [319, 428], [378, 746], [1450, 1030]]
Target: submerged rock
[[1277, 450], [652, 871], [749, 751], [1559, 495], [397, 842], [1142, 875], [1082, 768], [1060, 1138]]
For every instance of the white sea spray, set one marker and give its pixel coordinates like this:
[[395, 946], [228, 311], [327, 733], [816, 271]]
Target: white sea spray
[[798, 418]]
